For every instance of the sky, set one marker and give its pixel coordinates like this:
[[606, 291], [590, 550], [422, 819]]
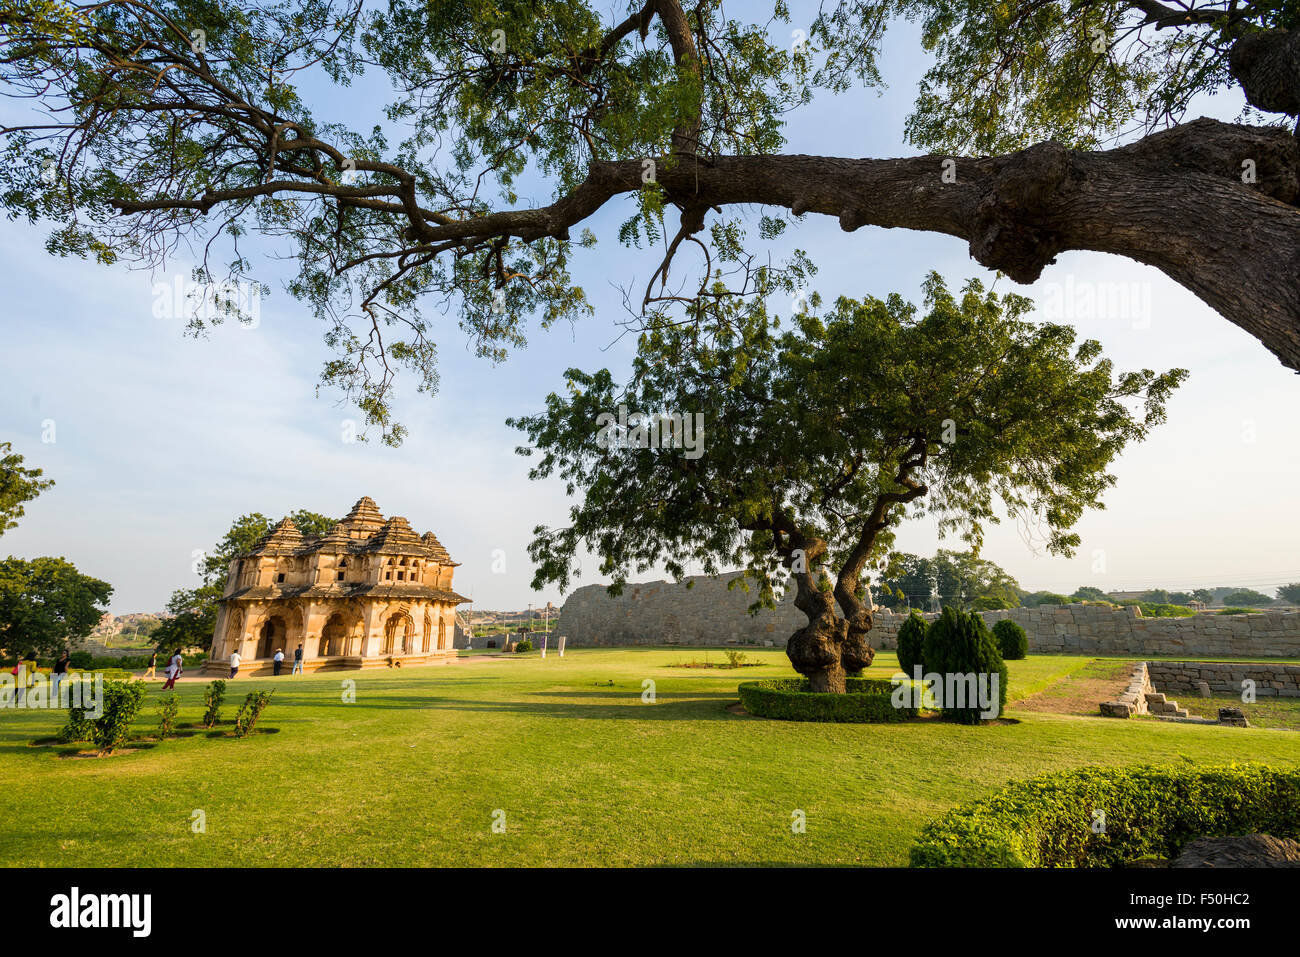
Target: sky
[[157, 441]]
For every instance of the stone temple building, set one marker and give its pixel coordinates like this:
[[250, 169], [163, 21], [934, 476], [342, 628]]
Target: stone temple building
[[369, 593]]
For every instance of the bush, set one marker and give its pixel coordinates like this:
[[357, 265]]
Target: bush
[[81, 660], [1012, 641], [168, 708], [78, 727], [868, 700], [1146, 811], [1237, 611], [959, 643], [122, 702], [1151, 610], [524, 644], [213, 695], [250, 711], [734, 658], [911, 638]]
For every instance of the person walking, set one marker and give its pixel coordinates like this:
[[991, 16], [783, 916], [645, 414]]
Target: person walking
[[234, 663], [59, 672], [27, 674], [174, 669], [297, 661], [151, 671], [279, 662]]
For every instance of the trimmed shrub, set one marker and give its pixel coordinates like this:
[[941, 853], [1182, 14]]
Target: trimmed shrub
[[1012, 641], [524, 644], [959, 643], [250, 711], [122, 702], [1143, 811], [168, 708], [81, 660], [867, 701], [911, 639], [78, 727], [213, 695]]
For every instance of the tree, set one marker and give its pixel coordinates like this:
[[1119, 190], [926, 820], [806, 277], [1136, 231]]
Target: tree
[[194, 610], [907, 582], [17, 485], [1247, 597], [1157, 596], [1181, 598], [965, 581], [1289, 593], [820, 437], [1204, 595], [1089, 593], [155, 125], [46, 605]]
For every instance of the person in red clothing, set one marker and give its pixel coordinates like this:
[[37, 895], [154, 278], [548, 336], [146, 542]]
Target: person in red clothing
[[174, 669]]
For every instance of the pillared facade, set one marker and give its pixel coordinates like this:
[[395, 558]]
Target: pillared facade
[[369, 593]]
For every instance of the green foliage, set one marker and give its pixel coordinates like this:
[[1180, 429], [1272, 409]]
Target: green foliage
[[169, 707], [866, 391], [1007, 75], [1165, 611], [868, 701], [246, 717], [81, 660], [47, 605], [735, 657], [1033, 599], [524, 644], [18, 484], [911, 639], [122, 702], [1012, 641], [1247, 596], [1089, 593], [1148, 811], [213, 695], [78, 728], [1289, 593], [1237, 611], [959, 643], [959, 578]]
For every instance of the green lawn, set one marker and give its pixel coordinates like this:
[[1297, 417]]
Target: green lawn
[[411, 773]]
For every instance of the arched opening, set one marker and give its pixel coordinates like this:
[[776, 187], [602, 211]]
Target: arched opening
[[399, 632], [428, 632], [333, 636], [442, 633], [271, 636]]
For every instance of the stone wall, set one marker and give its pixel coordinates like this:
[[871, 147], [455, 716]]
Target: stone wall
[[707, 613], [1184, 677]]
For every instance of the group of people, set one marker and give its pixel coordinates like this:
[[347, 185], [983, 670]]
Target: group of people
[[277, 661]]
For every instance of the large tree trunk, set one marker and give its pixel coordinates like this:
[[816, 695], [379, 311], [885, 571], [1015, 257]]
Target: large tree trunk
[[815, 649], [1267, 65]]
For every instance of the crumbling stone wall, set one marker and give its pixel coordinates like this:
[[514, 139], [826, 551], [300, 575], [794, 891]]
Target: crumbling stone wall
[[707, 613]]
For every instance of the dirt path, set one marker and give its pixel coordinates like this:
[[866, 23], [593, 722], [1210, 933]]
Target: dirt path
[[1080, 693]]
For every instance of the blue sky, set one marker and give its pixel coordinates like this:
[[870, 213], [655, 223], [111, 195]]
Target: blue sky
[[160, 440]]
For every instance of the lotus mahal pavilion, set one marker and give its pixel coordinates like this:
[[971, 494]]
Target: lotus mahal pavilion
[[369, 593]]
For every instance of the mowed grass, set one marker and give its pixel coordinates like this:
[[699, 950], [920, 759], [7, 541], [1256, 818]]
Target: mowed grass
[[413, 772]]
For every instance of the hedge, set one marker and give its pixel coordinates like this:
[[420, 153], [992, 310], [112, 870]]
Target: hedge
[[1145, 811], [868, 700]]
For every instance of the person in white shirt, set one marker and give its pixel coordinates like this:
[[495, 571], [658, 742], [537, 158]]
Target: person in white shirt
[[234, 663], [279, 660], [174, 669]]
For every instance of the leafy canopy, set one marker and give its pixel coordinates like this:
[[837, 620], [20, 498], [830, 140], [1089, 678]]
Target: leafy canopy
[[826, 432], [47, 605], [18, 485]]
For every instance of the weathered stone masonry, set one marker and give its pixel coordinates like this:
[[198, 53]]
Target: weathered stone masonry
[[657, 613]]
